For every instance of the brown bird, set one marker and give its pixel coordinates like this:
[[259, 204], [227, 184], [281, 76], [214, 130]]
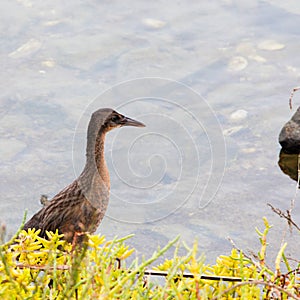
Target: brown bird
[[80, 207]]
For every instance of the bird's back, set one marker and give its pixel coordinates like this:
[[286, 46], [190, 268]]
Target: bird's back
[[69, 212], [80, 207]]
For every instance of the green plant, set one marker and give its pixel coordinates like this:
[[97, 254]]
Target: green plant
[[35, 268]]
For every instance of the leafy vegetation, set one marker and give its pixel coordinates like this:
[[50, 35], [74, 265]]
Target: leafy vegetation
[[35, 268]]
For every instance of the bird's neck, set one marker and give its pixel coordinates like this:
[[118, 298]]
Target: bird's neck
[[95, 170]]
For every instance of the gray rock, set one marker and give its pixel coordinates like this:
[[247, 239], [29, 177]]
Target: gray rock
[[289, 137]]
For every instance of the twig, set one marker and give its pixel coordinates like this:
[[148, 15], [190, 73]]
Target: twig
[[293, 259], [257, 282], [255, 263], [287, 216], [146, 272], [42, 268], [298, 184], [295, 271], [292, 95], [190, 275]]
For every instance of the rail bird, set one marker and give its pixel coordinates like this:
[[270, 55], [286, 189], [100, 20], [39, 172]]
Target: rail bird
[[80, 207]]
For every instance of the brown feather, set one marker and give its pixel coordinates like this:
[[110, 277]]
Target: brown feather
[[81, 206]]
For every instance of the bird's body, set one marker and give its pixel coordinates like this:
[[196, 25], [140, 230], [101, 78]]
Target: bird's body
[[80, 207]]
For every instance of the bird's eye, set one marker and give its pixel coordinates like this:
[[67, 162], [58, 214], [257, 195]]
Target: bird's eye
[[115, 118]]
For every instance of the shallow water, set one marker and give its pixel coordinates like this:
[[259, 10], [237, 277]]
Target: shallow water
[[206, 164]]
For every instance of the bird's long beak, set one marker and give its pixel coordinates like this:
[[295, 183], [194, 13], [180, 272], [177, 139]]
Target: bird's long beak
[[130, 122]]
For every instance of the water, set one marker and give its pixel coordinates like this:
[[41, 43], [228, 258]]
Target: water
[[61, 61]]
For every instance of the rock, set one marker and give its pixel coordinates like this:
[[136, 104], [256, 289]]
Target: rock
[[50, 63], [270, 45], [237, 63], [258, 58], [289, 137], [249, 150], [153, 23], [239, 115], [232, 130]]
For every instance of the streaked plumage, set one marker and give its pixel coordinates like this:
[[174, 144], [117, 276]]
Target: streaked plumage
[[81, 206]]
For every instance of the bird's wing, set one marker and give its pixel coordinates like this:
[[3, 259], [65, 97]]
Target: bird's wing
[[51, 217]]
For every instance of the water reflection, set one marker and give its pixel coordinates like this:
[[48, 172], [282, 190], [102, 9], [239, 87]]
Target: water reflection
[[288, 164]]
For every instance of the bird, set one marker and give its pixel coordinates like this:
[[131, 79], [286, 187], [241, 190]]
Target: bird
[[80, 207]]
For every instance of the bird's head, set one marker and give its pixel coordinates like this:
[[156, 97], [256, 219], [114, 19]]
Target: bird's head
[[107, 119], [115, 120]]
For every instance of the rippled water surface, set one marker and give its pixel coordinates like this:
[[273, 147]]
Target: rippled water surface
[[211, 80]]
